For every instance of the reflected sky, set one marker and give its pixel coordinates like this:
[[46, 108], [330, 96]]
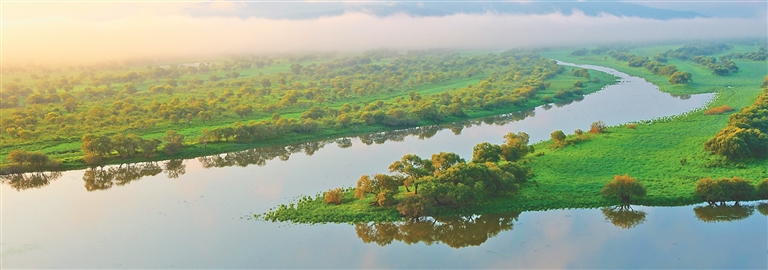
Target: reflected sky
[[191, 216]]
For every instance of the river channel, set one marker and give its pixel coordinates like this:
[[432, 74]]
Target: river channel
[[197, 213]]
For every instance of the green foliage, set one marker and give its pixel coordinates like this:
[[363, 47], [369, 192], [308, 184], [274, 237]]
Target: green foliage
[[624, 188], [516, 146], [444, 182], [724, 189], [762, 190], [486, 152], [680, 77], [746, 134], [558, 138]]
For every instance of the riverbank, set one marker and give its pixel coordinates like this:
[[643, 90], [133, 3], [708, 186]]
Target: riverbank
[[666, 156], [194, 149]]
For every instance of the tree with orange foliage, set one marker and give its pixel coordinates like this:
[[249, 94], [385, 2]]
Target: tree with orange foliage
[[624, 188]]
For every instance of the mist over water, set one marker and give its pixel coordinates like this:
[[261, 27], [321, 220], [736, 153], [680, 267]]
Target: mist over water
[[83, 33]]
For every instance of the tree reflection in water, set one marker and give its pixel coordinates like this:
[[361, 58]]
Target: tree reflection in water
[[456, 232], [102, 178], [763, 208], [723, 212], [23, 181], [623, 216], [175, 168]]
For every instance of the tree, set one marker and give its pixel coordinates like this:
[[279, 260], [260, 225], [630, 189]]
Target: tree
[[680, 77], [516, 146], [735, 143], [709, 190], [19, 157], [243, 110], [444, 160], [413, 206], [129, 88], [173, 142], [149, 146], [623, 187], [762, 189], [412, 168], [558, 138], [486, 152], [724, 189], [70, 104]]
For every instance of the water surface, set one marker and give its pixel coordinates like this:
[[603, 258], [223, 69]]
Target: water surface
[[194, 213]]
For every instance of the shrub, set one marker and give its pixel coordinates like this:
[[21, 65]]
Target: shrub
[[597, 127], [333, 196], [578, 132], [719, 110], [558, 137], [762, 189], [546, 98], [724, 189], [623, 187], [631, 126], [413, 206]]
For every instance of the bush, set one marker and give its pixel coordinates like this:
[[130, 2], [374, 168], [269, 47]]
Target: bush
[[762, 189], [724, 189], [597, 127], [333, 196], [414, 206], [624, 188], [631, 126], [558, 138]]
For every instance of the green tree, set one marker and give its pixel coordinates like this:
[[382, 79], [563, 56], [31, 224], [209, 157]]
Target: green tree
[[173, 142], [243, 110], [412, 168], [486, 152], [558, 138], [680, 77]]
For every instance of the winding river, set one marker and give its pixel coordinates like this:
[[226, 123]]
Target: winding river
[[197, 213]]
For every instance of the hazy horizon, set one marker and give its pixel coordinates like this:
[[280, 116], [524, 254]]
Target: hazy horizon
[[84, 33]]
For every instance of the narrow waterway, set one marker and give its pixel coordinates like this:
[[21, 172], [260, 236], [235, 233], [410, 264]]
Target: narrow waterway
[[195, 213]]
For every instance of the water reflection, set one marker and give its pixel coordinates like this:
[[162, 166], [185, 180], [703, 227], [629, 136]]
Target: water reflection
[[23, 181], [763, 208], [102, 178], [723, 212], [623, 216], [175, 168], [456, 232]]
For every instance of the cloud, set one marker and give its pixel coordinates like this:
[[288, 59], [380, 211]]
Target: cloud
[[83, 39]]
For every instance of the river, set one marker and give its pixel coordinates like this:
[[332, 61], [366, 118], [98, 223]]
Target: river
[[197, 213]]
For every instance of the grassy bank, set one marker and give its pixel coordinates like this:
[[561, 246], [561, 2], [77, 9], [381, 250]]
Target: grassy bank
[[68, 150], [666, 156]]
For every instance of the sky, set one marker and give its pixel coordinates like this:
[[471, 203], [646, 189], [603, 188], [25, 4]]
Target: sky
[[73, 33]]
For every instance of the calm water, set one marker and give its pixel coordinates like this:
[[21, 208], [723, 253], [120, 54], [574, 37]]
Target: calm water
[[195, 213]]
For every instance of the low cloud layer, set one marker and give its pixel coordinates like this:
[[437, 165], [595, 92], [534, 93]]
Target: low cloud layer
[[73, 40]]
